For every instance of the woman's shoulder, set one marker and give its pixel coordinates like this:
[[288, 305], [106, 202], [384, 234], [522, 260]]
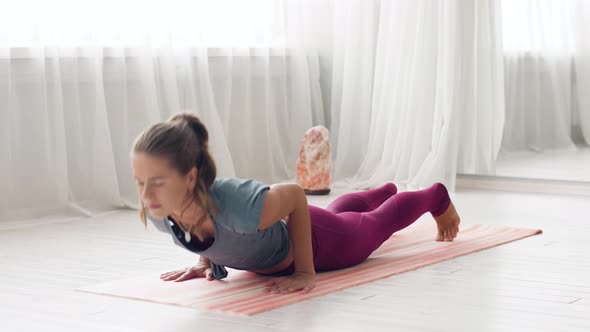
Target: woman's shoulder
[[240, 199], [233, 184]]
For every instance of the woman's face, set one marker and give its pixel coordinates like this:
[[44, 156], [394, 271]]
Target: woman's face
[[162, 189]]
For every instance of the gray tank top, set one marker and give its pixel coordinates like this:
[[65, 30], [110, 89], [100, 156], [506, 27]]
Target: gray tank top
[[238, 242]]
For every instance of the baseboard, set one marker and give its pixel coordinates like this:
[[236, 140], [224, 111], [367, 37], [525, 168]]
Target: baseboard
[[544, 186]]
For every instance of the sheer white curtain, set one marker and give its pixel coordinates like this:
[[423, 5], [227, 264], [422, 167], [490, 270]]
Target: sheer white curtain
[[353, 48], [80, 79], [545, 72], [582, 65], [538, 65], [429, 103]]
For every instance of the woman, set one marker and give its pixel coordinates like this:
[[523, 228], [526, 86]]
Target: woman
[[270, 230]]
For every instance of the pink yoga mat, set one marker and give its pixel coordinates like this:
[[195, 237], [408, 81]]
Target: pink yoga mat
[[242, 292]]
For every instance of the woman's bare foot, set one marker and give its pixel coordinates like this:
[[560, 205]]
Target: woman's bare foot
[[447, 224]]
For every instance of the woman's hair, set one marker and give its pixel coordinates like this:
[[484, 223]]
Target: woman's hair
[[183, 141]]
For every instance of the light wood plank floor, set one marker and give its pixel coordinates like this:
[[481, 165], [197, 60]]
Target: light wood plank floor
[[536, 284]]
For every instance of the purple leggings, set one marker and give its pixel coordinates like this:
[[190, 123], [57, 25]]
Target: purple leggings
[[347, 231]]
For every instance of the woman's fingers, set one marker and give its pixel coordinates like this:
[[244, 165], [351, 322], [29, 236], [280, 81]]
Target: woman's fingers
[[297, 282], [171, 275], [308, 289], [186, 275], [167, 274], [271, 288], [175, 272], [283, 286], [273, 285]]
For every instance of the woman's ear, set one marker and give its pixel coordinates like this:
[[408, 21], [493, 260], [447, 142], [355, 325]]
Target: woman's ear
[[192, 177]]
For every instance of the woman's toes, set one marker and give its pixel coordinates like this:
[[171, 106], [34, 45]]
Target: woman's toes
[[450, 236]]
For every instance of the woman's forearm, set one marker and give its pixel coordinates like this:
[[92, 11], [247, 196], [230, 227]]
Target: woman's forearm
[[299, 225]]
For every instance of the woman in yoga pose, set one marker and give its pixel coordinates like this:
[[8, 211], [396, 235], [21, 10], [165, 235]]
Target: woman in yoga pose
[[270, 230]]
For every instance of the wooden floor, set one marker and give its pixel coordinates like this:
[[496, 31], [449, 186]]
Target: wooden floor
[[536, 284]]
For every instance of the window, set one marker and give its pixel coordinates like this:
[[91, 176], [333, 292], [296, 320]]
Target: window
[[214, 23]]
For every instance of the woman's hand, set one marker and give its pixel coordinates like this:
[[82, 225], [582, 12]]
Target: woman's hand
[[199, 271], [295, 282]]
